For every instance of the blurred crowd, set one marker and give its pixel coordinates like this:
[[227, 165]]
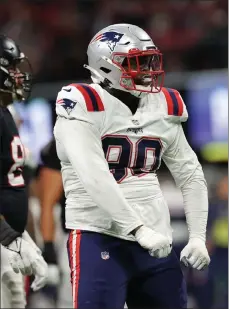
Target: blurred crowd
[[55, 34]]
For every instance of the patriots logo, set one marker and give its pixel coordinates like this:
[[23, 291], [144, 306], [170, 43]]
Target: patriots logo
[[67, 104], [110, 37]]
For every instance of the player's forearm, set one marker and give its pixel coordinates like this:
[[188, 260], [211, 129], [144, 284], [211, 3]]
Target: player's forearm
[[48, 230], [47, 224], [195, 197], [51, 190], [188, 175], [108, 196]]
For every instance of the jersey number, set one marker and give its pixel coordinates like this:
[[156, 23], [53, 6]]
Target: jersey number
[[15, 177], [118, 151]]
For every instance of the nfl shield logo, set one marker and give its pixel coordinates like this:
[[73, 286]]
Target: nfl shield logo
[[105, 255]]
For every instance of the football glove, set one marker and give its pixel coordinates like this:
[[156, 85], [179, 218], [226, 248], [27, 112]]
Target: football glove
[[41, 271], [157, 244], [25, 257], [22, 257], [41, 274], [195, 254], [11, 284]]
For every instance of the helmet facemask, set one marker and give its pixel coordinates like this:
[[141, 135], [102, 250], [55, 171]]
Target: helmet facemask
[[141, 70], [17, 78]]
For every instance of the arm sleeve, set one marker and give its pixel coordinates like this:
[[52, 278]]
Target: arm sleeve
[[81, 142], [188, 175]]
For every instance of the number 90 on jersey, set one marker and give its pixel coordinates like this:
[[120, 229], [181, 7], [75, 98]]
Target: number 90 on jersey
[[140, 157]]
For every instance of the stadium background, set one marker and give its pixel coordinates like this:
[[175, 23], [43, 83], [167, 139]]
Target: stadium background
[[192, 36]]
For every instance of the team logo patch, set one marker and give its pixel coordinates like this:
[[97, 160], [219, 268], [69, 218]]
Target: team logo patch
[[105, 255], [110, 37], [67, 104]]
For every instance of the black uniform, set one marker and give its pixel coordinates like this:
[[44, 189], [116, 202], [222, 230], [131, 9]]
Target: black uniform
[[15, 83], [50, 159], [13, 193]]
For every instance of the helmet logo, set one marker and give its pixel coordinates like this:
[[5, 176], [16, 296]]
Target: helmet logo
[[110, 37]]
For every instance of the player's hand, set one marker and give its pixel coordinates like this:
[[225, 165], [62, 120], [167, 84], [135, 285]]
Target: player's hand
[[41, 274], [157, 244], [27, 259], [195, 254], [22, 257], [41, 270]]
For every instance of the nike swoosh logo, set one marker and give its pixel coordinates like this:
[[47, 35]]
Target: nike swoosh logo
[[68, 90]]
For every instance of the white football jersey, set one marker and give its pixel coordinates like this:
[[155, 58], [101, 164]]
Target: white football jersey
[[109, 159]]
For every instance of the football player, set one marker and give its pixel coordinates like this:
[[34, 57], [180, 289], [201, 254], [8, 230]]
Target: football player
[[19, 254], [50, 193], [111, 136]]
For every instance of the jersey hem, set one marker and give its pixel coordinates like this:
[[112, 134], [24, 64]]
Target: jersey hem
[[100, 231]]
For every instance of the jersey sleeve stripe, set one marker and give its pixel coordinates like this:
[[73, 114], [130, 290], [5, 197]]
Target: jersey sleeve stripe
[[180, 103], [86, 96], [168, 100], [92, 99], [174, 102], [98, 100]]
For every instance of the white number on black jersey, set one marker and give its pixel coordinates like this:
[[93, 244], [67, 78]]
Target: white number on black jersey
[[15, 177]]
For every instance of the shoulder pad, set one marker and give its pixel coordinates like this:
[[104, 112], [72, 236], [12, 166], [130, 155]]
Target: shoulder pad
[[175, 104], [83, 94], [91, 97]]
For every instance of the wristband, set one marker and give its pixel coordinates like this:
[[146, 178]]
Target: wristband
[[49, 253]]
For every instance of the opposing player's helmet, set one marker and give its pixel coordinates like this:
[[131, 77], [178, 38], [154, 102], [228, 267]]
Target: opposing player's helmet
[[15, 70], [125, 57]]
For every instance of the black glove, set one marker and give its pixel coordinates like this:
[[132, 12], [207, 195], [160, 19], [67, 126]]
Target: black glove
[[49, 253]]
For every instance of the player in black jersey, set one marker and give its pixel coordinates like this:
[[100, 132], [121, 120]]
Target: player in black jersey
[[19, 249], [51, 192]]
